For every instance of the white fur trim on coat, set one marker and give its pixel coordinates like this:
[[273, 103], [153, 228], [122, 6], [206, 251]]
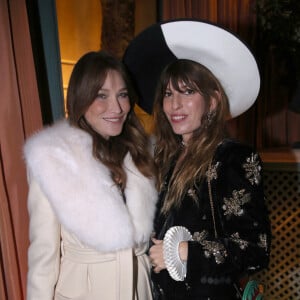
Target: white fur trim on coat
[[82, 193]]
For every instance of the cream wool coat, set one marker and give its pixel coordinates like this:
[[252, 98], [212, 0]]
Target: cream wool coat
[[85, 242]]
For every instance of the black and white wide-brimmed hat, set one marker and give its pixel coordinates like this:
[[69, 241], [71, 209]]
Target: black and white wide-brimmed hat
[[225, 55]]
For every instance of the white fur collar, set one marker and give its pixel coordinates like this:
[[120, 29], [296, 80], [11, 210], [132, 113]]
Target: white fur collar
[[82, 194]]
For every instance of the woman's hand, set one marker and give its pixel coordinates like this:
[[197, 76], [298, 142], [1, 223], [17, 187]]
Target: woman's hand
[[183, 251], [156, 255]]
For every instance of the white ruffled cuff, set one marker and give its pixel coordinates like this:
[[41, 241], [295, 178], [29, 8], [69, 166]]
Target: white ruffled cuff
[[173, 237]]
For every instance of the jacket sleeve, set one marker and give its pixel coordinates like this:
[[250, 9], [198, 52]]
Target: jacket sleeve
[[44, 248], [243, 228]]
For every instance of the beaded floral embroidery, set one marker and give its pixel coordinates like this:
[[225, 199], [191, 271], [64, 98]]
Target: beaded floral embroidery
[[192, 193], [263, 241], [211, 173], [200, 236], [235, 237], [233, 205], [211, 248], [253, 168]]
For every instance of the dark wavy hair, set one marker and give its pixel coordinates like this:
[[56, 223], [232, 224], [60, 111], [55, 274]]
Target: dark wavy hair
[[201, 146], [86, 80]]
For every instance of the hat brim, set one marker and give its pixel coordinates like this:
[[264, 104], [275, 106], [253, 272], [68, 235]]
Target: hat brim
[[225, 55]]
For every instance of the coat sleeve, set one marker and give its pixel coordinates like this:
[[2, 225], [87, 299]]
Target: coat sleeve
[[44, 248], [243, 241]]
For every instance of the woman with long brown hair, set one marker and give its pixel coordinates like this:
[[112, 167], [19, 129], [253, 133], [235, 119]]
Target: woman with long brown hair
[[211, 224], [91, 192]]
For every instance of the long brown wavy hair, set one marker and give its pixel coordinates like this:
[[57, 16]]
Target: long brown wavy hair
[[201, 146], [86, 80]]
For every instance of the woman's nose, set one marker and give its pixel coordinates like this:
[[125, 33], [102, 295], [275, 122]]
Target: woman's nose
[[115, 105], [176, 103]]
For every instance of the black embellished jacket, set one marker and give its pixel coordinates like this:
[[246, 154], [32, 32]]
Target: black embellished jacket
[[241, 243]]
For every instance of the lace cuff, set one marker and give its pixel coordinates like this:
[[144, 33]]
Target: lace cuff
[[172, 239]]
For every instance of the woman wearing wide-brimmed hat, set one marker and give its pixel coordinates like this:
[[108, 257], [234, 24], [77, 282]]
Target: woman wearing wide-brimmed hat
[[211, 224]]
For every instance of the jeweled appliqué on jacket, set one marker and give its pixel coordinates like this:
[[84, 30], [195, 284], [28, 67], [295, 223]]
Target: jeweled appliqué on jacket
[[234, 204], [211, 248], [263, 241], [235, 237], [212, 171], [253, 168]]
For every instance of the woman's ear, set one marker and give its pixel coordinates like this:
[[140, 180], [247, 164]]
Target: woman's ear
[[214, 101]]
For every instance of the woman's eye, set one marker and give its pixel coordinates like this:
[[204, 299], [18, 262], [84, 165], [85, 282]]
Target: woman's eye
[[123, 95], [189, 92], [101, 96], [168, 93]]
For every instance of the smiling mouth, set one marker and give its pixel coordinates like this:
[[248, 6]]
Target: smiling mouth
[[178, 118], [114, 120]]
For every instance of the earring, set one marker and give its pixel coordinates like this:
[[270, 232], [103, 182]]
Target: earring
[[209, 117]]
